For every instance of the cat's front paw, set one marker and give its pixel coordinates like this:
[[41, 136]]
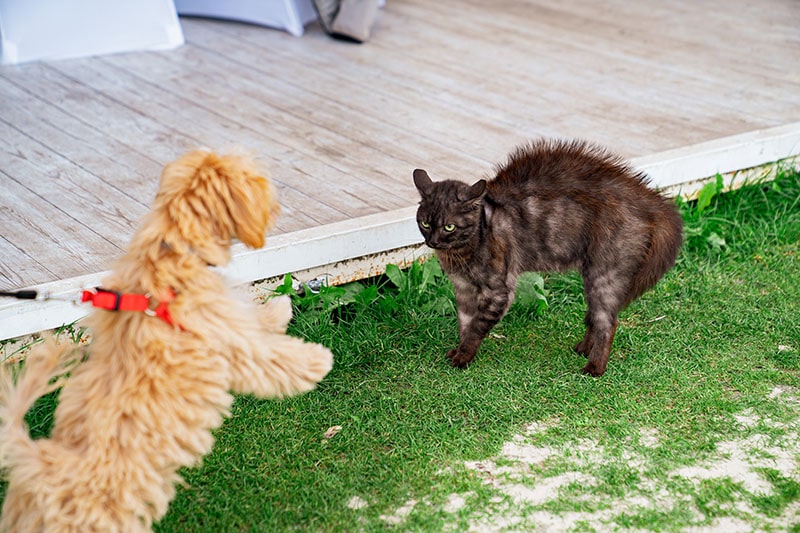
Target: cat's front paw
[[459, 359]]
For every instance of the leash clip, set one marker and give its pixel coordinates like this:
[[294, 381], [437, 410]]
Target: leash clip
[[149, 311], [47, 295]]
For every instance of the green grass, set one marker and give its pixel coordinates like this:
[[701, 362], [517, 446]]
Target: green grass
[[693, 424]]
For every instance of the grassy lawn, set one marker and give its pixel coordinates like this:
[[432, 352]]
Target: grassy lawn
[[696, 423]]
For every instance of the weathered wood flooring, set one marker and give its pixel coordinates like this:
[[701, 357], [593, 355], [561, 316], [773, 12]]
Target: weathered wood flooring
[[450, 86]]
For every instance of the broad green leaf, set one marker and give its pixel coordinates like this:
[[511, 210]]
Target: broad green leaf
[[707, 193], [286, 287], [429, 273], [531, 292], [720, 183], [395, 275]]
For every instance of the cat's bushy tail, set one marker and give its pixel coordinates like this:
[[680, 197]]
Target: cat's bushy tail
[[665, 242]]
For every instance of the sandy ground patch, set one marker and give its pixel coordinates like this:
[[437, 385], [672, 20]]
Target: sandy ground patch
[[529, 489]]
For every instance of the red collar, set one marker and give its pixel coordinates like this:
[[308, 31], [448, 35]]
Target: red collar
[[115, 301]]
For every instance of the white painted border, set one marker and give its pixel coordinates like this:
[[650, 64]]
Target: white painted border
[[721, 156], [677, 170]]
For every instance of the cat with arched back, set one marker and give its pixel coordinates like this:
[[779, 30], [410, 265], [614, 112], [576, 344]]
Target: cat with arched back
[[555, 205]]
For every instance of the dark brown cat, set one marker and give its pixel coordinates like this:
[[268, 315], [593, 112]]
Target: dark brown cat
[[554, 206]]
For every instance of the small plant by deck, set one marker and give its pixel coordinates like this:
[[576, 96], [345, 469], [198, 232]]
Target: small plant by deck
[[695, 424]]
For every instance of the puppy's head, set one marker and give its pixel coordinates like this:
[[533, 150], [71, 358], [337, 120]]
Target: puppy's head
[[210, 200]]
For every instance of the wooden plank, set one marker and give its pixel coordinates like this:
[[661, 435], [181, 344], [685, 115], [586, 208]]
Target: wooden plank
[[712, 41], [524, 101], [76, 192], [321, 69], [212, 125], [110, 114], [112, 161], [317, 125], [131, 127], [617, 90], [363, 115], [57, 240], [13, 272], [129, 170]]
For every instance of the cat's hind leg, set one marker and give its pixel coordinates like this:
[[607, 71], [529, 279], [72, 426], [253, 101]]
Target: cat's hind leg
[[601, 349], [604, 300]]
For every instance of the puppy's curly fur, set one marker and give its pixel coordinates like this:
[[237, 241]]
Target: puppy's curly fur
[[144, 401]]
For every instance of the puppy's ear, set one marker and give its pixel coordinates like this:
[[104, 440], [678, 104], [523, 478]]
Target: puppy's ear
[[252, 203], [210, 200], [189, 195]]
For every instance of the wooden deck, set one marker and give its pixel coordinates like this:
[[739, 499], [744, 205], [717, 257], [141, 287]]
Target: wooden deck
[[450, 86]]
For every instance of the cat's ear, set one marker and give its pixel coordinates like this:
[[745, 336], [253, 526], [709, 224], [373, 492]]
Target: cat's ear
[[422, 181], [475, 192]]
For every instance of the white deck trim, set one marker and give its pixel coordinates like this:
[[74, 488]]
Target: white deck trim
[[678, 170]]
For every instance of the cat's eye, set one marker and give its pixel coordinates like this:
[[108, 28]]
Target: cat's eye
[[450, 227], [425, 225]]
